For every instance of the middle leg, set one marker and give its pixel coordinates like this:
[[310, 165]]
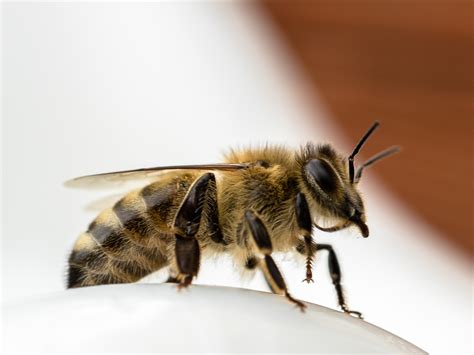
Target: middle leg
[[270, 269]]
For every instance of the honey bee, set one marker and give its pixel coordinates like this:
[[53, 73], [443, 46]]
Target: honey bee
[[257, 202]]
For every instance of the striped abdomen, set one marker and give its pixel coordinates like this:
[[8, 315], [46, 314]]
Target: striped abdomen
[[130, 240]]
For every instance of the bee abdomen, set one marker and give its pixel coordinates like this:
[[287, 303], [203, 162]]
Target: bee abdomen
[[81, 277], [87, 263], [106, 254], [131, 215], [110, 239], [130, 240], [162, 201]]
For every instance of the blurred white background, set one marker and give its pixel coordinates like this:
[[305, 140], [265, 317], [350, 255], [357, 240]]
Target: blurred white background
[[101, 87]]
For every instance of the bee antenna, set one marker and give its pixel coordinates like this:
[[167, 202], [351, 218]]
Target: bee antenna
[[375, 158], [357, 148]]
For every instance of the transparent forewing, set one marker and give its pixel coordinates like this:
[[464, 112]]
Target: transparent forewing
[[119, 179], [103, 202]]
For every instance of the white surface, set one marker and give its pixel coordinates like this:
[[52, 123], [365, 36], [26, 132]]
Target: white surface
[[100, 87], [158, 318]]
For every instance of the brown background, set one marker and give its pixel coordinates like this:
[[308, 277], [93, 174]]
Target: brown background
[[410, 65]]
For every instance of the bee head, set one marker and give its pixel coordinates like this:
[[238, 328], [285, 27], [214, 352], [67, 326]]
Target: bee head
[[330, 180]]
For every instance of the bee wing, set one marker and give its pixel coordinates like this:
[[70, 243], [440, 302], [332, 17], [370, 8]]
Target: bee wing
[[103, 202], [120, 178]]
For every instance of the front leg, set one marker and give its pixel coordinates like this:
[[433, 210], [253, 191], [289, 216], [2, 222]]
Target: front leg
[[186, 226], [335, 273], [264, 244], [303, 218]]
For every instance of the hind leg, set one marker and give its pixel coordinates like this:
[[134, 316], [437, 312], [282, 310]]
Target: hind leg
[[186, 226], [172, 275]]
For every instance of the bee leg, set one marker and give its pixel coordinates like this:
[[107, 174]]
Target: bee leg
[[172, 280], [310, 251], [213, 226], [186, 226], [303, 218], [271, 272], [172, 275], [335, 272]]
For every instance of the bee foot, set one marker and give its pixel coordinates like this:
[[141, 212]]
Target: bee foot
[[181, 286], [301, 306], [297, 303], [354, 314], [184, 282], [308, 280]]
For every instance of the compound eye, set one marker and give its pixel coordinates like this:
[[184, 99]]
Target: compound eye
[[323, 174]]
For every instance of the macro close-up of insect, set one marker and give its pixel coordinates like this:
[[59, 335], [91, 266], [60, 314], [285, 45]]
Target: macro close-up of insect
[[211, 177], [257, 202]]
